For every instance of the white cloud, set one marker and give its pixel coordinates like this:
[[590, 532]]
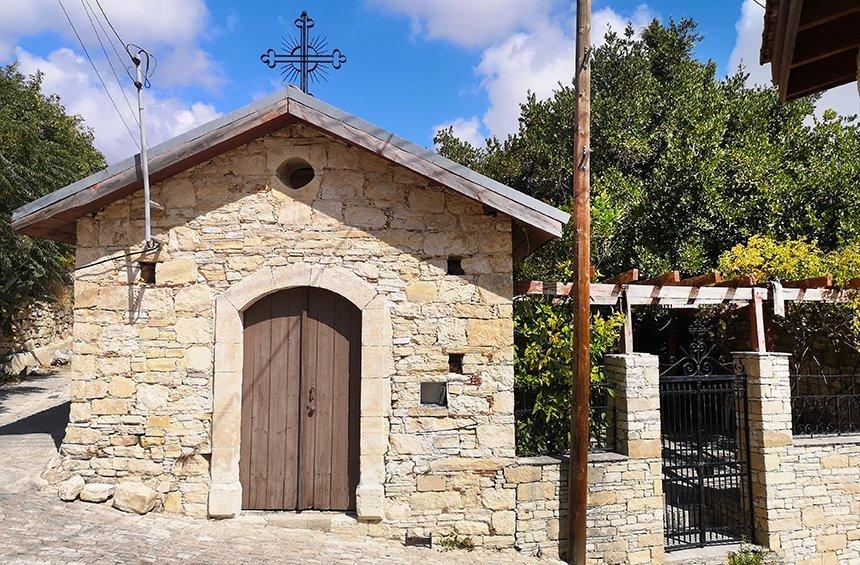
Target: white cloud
[[748, 43], [172, 29], [843, 99], [70, 76], [465, 129], [746, 52], [537, 61], [470, 23], [606, 19], [528, 45], [525, 62]]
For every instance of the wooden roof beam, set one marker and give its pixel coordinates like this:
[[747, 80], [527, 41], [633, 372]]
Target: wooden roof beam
[[819, 13], [826, 40], [666, 279], [813, 282], [853, 283], [834, 70], [626, 277]]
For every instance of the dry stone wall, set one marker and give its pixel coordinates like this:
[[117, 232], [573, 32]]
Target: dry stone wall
[[40, 324]]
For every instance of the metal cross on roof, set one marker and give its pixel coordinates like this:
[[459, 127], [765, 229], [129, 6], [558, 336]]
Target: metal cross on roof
[[304, 58]]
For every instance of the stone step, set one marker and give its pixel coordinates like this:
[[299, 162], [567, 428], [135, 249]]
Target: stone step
[[328, 522]]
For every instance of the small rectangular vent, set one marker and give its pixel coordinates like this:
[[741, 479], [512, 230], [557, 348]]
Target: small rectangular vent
[[147, 272], [455, 266], [455, 363]]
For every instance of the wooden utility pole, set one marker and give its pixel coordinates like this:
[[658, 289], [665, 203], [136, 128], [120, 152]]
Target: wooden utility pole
[[578, 469]]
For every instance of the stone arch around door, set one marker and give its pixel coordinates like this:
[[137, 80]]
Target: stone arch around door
[[225, 495]]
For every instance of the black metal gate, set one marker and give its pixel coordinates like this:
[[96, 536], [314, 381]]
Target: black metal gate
[[705, 440]]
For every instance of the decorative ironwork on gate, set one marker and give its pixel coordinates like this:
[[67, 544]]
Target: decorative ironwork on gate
[[705, 449], [824, 404]]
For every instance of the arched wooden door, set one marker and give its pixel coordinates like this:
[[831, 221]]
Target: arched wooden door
[[300, 402]]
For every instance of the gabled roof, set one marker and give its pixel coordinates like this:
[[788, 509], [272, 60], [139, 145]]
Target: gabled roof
[[53, 216]]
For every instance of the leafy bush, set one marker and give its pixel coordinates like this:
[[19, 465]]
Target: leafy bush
[[747, 555], [767, 259], [806, 325], [543, 367]]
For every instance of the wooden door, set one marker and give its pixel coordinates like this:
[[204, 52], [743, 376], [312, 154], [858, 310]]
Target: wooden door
[[300, 402]]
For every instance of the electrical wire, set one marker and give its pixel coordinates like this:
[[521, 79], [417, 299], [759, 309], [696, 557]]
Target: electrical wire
[[108, 35], [107, 19], [149, 247], [85, 4], [90, 59]]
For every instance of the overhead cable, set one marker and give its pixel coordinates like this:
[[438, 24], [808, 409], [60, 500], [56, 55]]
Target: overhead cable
[[85, 4], [92, 63]]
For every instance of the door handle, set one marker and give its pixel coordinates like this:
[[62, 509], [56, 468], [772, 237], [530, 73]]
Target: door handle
[[311, 401]]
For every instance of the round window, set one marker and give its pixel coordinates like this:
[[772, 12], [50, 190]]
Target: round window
[[295, 173]]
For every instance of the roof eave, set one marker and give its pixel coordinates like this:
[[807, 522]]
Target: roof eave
[[46, 216]]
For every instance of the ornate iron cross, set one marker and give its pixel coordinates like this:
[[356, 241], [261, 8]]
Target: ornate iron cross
[[304, 58]]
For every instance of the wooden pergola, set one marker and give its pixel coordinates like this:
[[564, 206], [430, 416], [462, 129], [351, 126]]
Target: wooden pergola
[[812, 45], [669, 290]]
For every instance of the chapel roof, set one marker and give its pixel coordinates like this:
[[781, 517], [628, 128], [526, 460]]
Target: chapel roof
[[53, 216]]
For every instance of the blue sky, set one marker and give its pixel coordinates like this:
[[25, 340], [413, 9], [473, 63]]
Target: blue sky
[[414, 65]]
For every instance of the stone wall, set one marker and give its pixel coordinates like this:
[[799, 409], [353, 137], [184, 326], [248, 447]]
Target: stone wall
[[625, 508], [42, 323], [806, 492], [142, 398], [625, 490]]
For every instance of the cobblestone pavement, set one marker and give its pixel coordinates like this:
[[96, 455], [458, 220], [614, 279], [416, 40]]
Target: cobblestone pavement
[[36, 527]]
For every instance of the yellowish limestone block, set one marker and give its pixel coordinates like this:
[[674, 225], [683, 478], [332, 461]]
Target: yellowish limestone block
[[180, 271], [422, 291], [491, 333], [121, 387]]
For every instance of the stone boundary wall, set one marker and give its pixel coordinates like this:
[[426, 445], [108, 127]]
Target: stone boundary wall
[[625, 508], [625, 489], [40, 324], [806, 491]]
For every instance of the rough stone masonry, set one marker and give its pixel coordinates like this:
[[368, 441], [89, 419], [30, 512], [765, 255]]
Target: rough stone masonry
[[146, 359]]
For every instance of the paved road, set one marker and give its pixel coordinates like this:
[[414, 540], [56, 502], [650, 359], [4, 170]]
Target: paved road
[[35, 527], [33, 417]]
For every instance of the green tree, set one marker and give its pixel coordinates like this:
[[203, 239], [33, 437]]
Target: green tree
[[684, 164], [42, 148]]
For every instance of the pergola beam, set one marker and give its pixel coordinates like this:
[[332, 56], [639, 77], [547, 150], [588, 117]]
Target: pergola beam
[[708, 279], [825, 281], [670, 278], [743, 280], [683, 296], [626, 277]]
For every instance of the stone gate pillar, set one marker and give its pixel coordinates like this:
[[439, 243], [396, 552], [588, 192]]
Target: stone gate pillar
[[634, 497], [769, 413], [635, 378]]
